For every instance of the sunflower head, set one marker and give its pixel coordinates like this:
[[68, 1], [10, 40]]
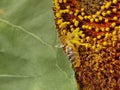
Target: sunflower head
[[92, 29]]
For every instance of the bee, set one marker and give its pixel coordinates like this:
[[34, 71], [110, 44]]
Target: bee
[[70, 53]]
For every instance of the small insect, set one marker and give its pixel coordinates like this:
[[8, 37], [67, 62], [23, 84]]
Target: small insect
[[70, 53]]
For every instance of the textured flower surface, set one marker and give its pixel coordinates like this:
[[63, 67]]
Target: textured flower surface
[[90, 33]]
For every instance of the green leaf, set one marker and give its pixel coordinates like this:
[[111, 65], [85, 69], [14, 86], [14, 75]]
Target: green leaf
[[29, 59]]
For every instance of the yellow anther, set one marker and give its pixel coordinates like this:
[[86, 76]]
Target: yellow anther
[[77, 29], [64, 31], [82, 13], [109, 43], [80, 17], [76, 23], [72, 29], [85, 17], [91, 20], [97, 29], [71, 26], [114, 1], [114, 38], [83, 26], [108, 5], [70, 12], [87, 45], [89, 17], [94, 39], [94, 16], [89, 27], [86, 26], [102, 29], [98, 45], [81, 40], [58, 15], [75, 14], [106, 20], [77, 11], [76, 42], [105, 43], [74, 20], [103, 14], [108, 12], [107, 35], [59, 21], [96, 20], [99, 36], [82, 9], [100, 18], [87, 38], [114, 32], [107, 29], [113, 24], [68, 7], [82, 35], [98, 13], [60, 1], [114, 10], [102, 7], [64, 1], [115, 18], [93, 47]]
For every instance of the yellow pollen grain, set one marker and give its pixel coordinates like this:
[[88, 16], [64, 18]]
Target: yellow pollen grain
[[85, 17], [102, 29], [64, 1], [103, 14], [98, 37], [91, 20], [83, 26], [94, 16], [80, 17], [115, 18], [89, 27], [107, 29], [98, 45], [97, 13], [76, 23], [82, 9], [106, 20], [94, 39], [108, 4], [70, 12], [108, 12], [82, 13], [60, 1], [102, 7], [97, 29], [68, 7], [82, 35], [96, 20], [87, 38], [114, 10], [105, 43], [114, 1], [100, 18], [58, 15], [113, 24]]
